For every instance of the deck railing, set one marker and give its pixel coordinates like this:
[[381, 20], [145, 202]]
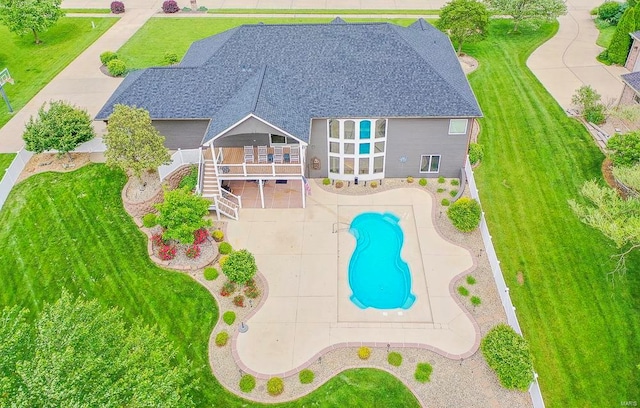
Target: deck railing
[[179, 158], [238, 169]]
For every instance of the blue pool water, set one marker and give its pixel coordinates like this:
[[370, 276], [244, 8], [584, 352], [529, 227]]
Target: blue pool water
[[378, 276]]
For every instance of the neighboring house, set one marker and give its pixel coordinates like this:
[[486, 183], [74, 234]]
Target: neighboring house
[[337, 100], [631, 90]]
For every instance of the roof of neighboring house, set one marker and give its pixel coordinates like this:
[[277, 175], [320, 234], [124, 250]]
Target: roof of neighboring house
[[289, 74], [632, 79], [635, 35]]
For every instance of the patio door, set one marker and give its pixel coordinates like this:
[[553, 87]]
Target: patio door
[[357, 148]]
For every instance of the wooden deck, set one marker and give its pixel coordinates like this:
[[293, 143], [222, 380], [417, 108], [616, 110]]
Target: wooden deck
[[234, 167]]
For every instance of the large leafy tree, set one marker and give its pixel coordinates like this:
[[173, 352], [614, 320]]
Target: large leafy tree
[[62, 127], [464, 20], [35, 16], [528, 10], [133, 144], [181, 214], [82, 354]]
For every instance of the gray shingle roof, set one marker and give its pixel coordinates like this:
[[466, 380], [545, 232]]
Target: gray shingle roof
[[288, 74], [633, 80]]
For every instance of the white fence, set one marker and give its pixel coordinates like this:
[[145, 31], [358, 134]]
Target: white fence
[[179, 158], [503, 290], [11, 174]]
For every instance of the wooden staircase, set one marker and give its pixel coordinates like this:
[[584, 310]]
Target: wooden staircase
[[211, 189]]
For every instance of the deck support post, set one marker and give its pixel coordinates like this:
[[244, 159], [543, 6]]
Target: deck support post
[[261, 192], [304, 193]]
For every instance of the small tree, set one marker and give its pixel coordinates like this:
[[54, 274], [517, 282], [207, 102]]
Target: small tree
[[507, 353], [588, 102], [181, 214], [133, 144], [465, 214], [62, 127], [240, 266], [35, 16], [621, 40], [528, 10], [464, 20], [624, 149]]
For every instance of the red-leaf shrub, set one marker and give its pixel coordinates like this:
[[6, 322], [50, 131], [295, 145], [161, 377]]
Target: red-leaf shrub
[[170, 6], [167, 252], [238, 301], [117, 7], [200, 236], [193, 251], [157, 239], [227, 289]]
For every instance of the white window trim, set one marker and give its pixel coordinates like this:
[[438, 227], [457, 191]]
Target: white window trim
[[466, 125], [356, 156], [271, 143], [429, 166]]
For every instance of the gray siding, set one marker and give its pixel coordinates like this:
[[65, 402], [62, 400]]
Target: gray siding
[[251, 125], [239, 140], [181, 134], [412, 138], [318, 148]]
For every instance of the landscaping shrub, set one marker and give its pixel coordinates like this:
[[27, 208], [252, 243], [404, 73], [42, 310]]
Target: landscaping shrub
[[218, 235], [475, 300], [116, 67], [394, 358], [441, 190], [624, 149], [476, 153], [422, 182], [441, 180], [445, 202], [170, 6], [463, 291], [374, 184], [167, 252], [251, 289], [193, 251], [471, 280], [306, 376], [507, 353], [199, 236], [190, 180], [247, 383], [222, 338], [621, 41], [210, 273], [229, 317], [170, 58], [107, 56], [611, 12], [275, 386], [453, 193], [223, 260], [157, 239], [150, 220], [181, 214], [227, 289], [225, 248], [364, 353], [409, 179], [588, 102], [202, 8], [240, 266], [117, 7], [238, 300], [339, 184], [326, 181], [423, 372], [465, 214], [455, 182]]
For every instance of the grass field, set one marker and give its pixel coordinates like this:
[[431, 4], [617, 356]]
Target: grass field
[[5, 161], [33, 66], [148, 46], [337, 12], [584, 331], [605, 36], [70, 231]]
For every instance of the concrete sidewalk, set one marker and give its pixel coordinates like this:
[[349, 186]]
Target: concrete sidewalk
[[568, 60]]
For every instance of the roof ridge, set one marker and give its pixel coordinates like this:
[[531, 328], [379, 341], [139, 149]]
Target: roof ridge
[[258, 89]]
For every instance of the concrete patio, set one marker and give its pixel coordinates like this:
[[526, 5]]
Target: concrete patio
[[305, 262]]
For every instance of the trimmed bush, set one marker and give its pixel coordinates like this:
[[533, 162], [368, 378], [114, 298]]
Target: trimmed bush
[[170, 6], [306, 376], [326, 181], [507, 353], [463, 291], [445, 202], [251, 290], [476, 153], [225, 248], [117, 7], [409, 179], [240, 266], [247, 383], [423, 372], [441, 190], [455, 182], [200, 235], [238, 300], [395, 359], [422, 182], [453, 193], [610, 11], [218, 235], [170, 58], [222, 338], [374, 184], [441, 180], [471, 280], [621, 40], [624, 149], [116, 67], [202, 8], [229, 317], [227, 289], [339, 184], [465, 214], [275, 386], [223, 260], [150, 220], [211, 273], [364, 353], [190, 180], [107, 56], [475, 300]]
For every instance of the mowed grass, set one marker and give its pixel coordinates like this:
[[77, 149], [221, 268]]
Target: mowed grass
[[605, 36], [584, 331], [33, 66], [70, 231], [5, 161], [148, 46]]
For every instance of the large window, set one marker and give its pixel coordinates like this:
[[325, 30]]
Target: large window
[[430, 163], [458, 126], [357, 148]]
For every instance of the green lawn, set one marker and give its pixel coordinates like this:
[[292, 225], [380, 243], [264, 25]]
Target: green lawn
[[33, 66], [148, 46], [70, 231], [88, 10], [5, 161], [605, 36], [584, 331], [337, 12]]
